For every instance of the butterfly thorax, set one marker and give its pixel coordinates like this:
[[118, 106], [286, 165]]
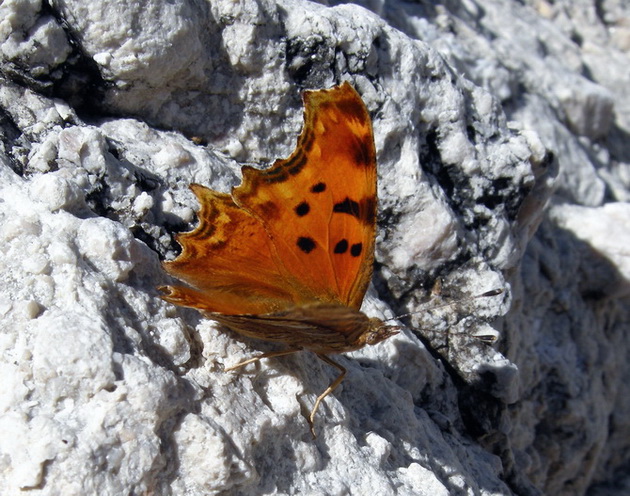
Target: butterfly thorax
[[318, 327]]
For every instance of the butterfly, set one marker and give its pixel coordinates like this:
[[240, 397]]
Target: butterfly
[[288, 256]]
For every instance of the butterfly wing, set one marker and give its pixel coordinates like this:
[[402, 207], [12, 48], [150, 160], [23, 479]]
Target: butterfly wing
[[319, 205], [299, 232], [227, 259]]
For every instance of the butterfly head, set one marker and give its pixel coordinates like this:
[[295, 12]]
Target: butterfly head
[[378, 331]]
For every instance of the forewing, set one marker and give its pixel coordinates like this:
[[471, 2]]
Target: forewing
[[319, 205]]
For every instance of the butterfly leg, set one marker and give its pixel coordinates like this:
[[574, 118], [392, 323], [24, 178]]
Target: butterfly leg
[[271, 354], [328, 390]]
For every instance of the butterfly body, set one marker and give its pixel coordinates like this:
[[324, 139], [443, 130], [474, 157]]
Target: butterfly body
[[320, 328], [287, 257]]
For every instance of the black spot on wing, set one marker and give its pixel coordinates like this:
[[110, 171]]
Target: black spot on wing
[[305, 244], [302, 209], [318, 188], [341, 247], [356, 249], [347, 206]]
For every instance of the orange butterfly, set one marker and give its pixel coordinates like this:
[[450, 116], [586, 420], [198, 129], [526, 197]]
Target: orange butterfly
[[288, 256]]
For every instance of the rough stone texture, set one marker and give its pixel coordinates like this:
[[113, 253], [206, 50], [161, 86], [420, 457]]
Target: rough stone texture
[[108, 110]]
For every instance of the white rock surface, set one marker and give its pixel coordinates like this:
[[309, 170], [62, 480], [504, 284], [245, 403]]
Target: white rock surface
[[109, 390]]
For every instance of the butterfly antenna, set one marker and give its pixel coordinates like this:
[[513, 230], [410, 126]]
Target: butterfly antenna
[[492, 292]]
